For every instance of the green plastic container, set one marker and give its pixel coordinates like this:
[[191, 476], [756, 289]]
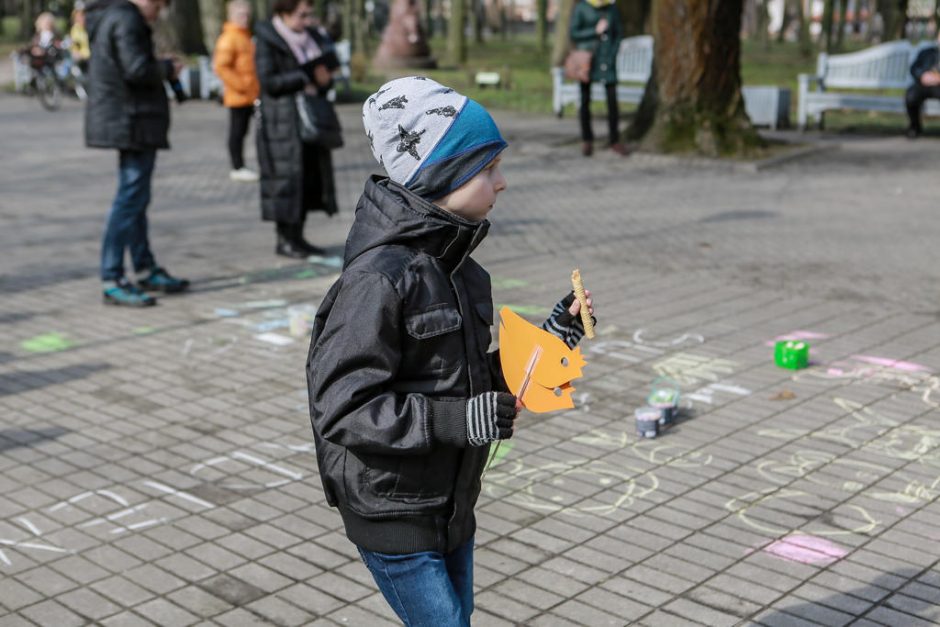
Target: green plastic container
[[791, 354]]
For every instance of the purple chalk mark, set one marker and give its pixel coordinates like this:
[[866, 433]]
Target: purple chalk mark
[[806, 550], [798, 335], [906, 366]]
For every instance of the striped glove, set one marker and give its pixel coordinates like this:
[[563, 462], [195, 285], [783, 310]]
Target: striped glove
[[490, 417], [569, 329]]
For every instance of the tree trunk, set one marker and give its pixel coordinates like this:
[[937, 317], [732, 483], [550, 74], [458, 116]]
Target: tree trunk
[[763, 23], [843, 23], [541, 25], [894, 18], [698, 103], [635, 15], [213, 15], [562, 39], [785, 22], [428, 7], [456, 37], [26, 19], [475, 8], [187, 24], [806, 43], [825, 35], [936, 18]]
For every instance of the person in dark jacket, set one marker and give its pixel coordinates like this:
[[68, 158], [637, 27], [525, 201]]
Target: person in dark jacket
[[596, 27], [404, 397], [127, 109], [926, 85], [296, 178]]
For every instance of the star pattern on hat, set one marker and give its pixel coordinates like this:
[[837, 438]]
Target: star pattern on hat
[[376, 96], [398, 102], [408, 141], [447, 112]]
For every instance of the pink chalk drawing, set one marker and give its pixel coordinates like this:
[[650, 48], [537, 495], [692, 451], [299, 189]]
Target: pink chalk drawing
[[806, 550], [798, 335], [905, 366]]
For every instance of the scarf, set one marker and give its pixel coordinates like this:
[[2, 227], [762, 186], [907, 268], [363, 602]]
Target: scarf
[[303, 46]]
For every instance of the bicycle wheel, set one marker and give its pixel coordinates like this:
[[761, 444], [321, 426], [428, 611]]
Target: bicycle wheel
[[49, 91]]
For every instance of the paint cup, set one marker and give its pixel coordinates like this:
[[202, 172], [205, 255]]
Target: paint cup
[[664, 396], [791, 354], [647, 421], [300, 319]]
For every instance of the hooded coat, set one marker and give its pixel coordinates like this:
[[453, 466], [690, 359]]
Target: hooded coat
[[399, 344], [295, 178], [127, 106]]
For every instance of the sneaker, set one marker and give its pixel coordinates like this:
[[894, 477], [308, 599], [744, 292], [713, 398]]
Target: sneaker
[[587, 149], [159, 280], [243, 175], [913, 132], [126, 294]]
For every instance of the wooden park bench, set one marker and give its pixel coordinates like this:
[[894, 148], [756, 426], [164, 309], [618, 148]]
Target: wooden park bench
[[882, 67]]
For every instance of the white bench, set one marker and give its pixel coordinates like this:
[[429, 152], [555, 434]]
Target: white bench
[[766, 105], [634, 61], [886, 66]]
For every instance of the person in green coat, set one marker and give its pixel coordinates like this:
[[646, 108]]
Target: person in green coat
[[596, 27]]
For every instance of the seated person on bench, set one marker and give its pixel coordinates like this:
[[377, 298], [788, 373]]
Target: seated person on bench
[[926, 85]]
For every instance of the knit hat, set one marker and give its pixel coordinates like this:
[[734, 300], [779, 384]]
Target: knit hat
[[428, 137]]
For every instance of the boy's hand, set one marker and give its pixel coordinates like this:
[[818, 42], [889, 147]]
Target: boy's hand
[[565, 319], [490, 417]]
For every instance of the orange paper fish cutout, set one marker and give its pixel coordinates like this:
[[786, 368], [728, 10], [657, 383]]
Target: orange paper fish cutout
[[550, 370]]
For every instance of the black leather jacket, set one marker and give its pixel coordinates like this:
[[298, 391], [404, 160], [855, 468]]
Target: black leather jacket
[[399, 344], [127, 105]]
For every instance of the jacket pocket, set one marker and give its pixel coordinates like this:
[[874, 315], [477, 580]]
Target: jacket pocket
[[433, 321]]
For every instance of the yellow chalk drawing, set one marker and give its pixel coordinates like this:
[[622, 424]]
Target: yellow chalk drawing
[[745, 507], [618, 487], [689, 369]]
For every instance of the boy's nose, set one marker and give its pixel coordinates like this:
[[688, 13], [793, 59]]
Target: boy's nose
[[501, 183]]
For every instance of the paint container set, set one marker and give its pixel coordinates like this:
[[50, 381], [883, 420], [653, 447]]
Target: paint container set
[[661, 408]]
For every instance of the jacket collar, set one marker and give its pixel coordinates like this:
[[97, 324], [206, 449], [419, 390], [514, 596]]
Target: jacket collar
[[389, 214]]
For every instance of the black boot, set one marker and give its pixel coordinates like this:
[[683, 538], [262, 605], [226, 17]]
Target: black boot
[[302, 244], [287, 245]]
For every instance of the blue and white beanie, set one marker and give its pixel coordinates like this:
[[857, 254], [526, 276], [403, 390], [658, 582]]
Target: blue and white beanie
[[428, 137]]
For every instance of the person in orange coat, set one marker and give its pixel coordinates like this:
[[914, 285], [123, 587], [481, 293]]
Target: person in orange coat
[[234, 63]]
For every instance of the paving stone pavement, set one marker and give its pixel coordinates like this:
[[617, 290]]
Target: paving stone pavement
[[156, 466]]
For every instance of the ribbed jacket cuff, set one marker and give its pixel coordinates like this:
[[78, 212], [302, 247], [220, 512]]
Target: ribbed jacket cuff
[[449, 422]]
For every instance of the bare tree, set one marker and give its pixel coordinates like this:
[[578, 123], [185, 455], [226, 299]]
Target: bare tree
[[562, 40], [456, 37], [695, 91], [541, 24]]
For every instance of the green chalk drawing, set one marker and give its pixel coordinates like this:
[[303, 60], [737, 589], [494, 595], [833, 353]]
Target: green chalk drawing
[[526, 310], [306, 274], [504, 283], [47, 343], [497, 453], [144, 330]]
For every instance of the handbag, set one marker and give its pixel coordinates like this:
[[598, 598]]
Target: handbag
[[319, 124], [578, 65]]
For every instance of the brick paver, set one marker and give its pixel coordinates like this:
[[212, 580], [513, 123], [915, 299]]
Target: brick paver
[[157, 465]]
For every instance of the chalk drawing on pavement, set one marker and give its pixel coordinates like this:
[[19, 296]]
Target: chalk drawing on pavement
[[806, 549]]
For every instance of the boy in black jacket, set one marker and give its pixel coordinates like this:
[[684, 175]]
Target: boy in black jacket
[[404, 397]]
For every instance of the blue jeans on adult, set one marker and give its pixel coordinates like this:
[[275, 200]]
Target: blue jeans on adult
[[426, 589], [127, 222]]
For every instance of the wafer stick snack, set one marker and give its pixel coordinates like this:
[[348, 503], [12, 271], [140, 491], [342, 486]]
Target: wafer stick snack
[[578, 287]]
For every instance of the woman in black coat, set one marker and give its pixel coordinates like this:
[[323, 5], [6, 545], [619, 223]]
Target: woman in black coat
[[296, 178]]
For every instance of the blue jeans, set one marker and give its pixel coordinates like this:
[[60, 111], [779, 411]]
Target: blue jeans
[[430, 588], [127, 222]]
